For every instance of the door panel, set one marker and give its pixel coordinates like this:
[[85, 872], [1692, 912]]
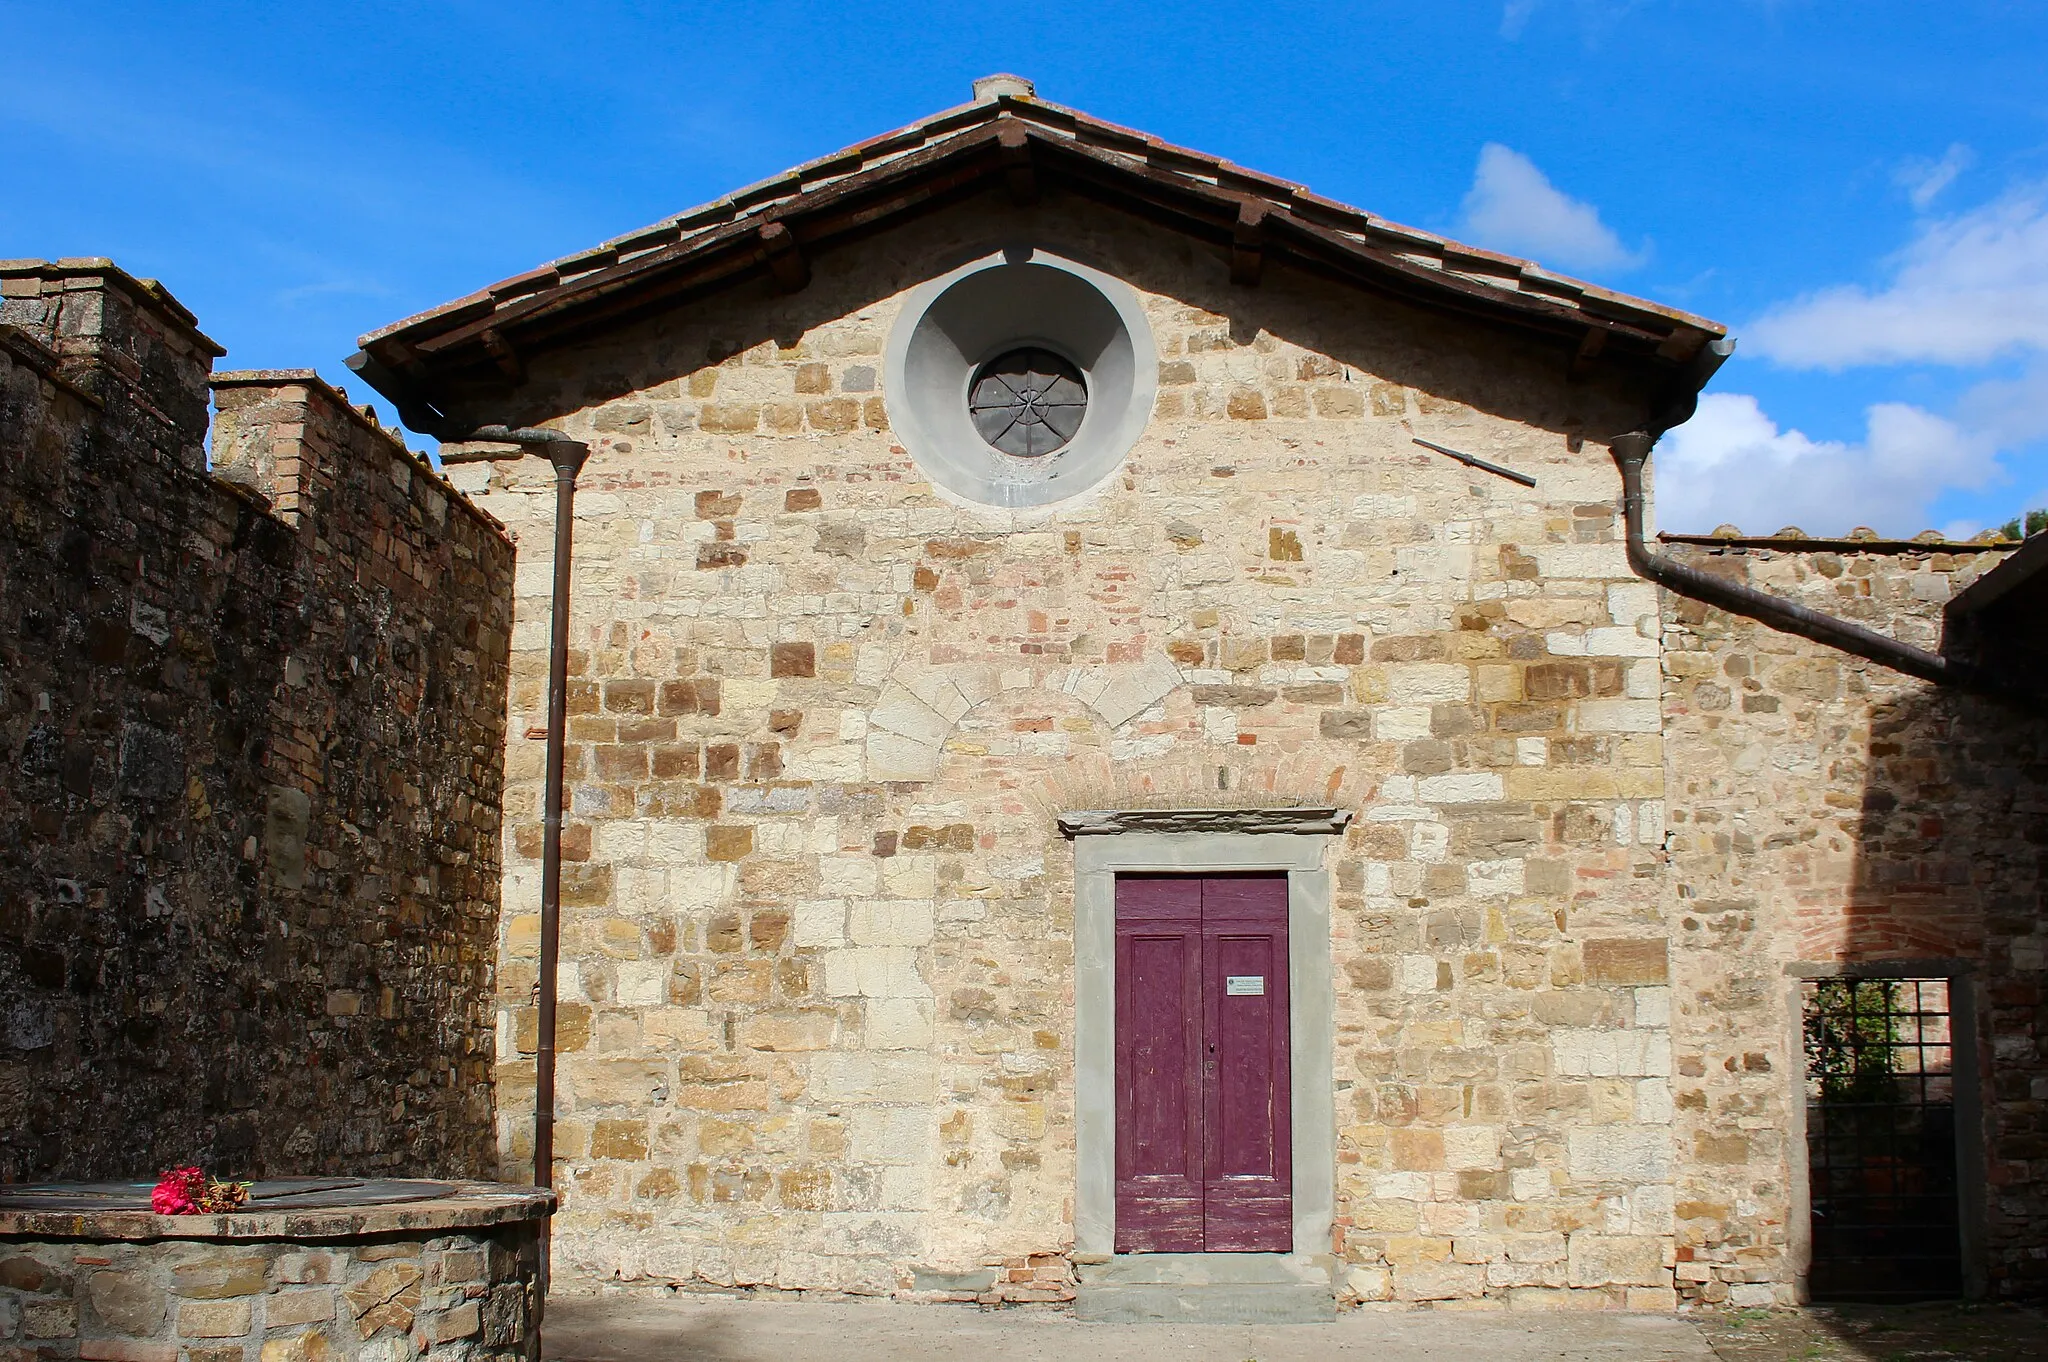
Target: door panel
[[1204, 1158], [1158, 1065], [1247, 1192]]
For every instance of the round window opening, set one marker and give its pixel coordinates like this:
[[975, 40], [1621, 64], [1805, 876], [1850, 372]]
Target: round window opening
[[1020, 378], [1028, 402]]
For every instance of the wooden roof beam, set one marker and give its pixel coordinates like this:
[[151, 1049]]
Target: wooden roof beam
[[785, 258]]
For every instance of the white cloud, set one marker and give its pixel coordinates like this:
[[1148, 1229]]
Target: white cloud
[[1967, 290], [2013, 411], [1512, 206], [1923, 180], [1731, 464]]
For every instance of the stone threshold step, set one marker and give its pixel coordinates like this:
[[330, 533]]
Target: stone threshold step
[[1206, 1288]]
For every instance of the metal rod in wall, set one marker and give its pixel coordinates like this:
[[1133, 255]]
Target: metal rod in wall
[[567, 456]]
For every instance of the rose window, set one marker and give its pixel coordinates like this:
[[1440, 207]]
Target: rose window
[[1028, 402]]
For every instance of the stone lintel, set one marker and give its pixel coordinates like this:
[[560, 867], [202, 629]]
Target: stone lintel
[[1940, 967], [1307, 821]]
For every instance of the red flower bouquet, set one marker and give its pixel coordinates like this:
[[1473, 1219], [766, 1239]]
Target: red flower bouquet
[[188, 1191]]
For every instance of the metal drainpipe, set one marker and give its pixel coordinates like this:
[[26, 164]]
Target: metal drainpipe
[[1631, 452], [568, 456]]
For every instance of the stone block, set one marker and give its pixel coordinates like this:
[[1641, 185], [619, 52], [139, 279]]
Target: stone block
[[1627, 961], [1620, 716], [305, 1267], [1619, 1154], [463, 1321], [1471, 1147], [891, 756], [135, 1350], [221, 1274], [51, 1319], [890, 1135], [1610, 1054], [285, 1308], [865, 1234], [127, 1300], [728, 842], [213, 1319], [848, 876], [807, 1029], [898, 1024], [820, 922], [1417, 1149], [854, 1076], [1465, 788], [1428, 683], [890, 922], [618, 1139], [874, 972], [1425, 1281], [613, 1082], [1617, 1260]]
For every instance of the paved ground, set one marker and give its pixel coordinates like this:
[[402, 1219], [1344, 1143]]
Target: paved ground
[[1968, 1333], [636, 1327]]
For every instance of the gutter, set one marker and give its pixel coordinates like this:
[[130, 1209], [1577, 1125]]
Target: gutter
[[1631, 453]]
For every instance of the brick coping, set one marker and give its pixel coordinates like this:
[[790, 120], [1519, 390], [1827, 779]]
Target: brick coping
[[456, 1205]]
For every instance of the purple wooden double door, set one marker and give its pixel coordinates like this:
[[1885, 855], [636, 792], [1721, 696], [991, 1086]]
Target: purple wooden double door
[[1203, 1153]]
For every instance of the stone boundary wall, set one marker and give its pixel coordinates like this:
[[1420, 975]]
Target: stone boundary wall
[[1827, 811], [254, 720]]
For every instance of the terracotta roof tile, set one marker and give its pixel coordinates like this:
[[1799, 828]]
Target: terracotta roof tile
[[1161, 166]]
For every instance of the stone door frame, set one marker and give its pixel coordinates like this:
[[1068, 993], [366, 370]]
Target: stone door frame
[[1966, 1066], [1200, 841]]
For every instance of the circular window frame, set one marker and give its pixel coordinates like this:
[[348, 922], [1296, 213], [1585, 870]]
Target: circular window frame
[[944, 336]]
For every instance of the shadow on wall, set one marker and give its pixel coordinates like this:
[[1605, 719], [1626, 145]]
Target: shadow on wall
[[1953, 864], [249, 824]]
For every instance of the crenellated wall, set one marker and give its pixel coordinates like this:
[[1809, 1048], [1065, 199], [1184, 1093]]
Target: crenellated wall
[[253, 719]]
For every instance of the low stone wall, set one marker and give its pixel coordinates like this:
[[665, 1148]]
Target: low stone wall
[[454, 1278]]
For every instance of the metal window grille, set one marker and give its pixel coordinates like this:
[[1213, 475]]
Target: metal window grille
[[1881, 1140]]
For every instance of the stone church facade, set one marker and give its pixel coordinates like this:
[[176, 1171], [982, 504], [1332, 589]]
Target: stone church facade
[[883, 721]]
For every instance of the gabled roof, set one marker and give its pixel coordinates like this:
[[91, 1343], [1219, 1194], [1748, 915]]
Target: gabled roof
[[1009, 136]]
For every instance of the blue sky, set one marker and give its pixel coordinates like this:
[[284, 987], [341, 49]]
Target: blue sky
[[1860, 189]]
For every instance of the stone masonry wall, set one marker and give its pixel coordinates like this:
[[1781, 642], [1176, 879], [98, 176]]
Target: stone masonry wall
[[818, 951], [253, 721], [1827, 811]]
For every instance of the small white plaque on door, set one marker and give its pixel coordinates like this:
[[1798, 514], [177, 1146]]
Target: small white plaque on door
[[1244, 985]]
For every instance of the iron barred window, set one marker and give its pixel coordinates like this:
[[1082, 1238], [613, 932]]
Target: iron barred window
[[1881, 1139]]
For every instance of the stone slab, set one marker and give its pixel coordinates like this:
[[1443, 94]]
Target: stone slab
[[635, 1327], [1206, 1288]]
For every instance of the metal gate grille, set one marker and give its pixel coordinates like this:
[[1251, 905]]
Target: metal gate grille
[[1881, 1140]]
